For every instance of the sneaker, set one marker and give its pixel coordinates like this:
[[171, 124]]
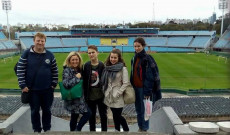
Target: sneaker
[[46, 131], [140, 130]]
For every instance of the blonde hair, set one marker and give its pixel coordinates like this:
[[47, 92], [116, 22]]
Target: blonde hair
[[67, 60], [40, 35]]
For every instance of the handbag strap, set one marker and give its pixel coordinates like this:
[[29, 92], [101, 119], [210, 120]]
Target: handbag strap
[[37, 69]]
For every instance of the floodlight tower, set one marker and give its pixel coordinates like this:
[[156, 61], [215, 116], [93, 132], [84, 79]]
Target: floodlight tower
[[153, 13], [6, 5], [223, 5]]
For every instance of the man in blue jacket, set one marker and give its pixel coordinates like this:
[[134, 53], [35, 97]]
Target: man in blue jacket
[[38, 74]]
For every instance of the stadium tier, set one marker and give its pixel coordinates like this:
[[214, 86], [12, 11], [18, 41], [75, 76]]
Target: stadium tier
[[106, 39], [224, 41], [7, 45], [187, 33], [18, 35], [73, 42], [94, 41], [156, 41], [163, 49], [97, 32], [2, 36], [201, 42], [179, 41], [2, 46]]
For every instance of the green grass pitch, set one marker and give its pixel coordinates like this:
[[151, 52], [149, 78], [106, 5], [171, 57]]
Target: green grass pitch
[[177, 70]]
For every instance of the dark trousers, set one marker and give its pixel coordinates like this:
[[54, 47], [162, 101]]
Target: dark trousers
[[102, 108], [119, 120], [41, 99], [84, 118]]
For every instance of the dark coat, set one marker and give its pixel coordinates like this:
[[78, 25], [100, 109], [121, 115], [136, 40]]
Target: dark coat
[[150, 76], [87, 72]]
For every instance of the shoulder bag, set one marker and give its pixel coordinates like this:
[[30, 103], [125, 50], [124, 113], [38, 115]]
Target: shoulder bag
[[129, 95], [72, 93]]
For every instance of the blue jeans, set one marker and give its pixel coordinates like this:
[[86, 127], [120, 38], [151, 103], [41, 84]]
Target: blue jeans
[[73, 121], [41, 99], [140, 109]]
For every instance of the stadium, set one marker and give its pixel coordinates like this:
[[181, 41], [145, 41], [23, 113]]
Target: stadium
[[194, 72]]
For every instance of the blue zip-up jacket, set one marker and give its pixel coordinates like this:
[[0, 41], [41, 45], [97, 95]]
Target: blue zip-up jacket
[[47, 74]]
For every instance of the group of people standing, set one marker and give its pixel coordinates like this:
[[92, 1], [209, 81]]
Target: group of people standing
[[103, 85]]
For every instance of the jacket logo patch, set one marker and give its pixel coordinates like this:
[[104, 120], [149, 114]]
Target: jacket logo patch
[[47, 61]]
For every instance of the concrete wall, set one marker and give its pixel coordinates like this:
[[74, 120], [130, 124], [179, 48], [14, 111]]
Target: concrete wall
[[165, 121], [162, 121], [20, 122]]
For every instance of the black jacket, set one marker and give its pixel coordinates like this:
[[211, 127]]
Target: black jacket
[[87, 71]]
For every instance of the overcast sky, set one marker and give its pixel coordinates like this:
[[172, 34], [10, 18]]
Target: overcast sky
[[106, 11]]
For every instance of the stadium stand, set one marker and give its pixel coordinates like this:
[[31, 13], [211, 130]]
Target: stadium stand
[[53, 42], [125, 48], [169, 41], [83, 49], [179, 41], [224, 41], [18, 35], [71, 42], [2, 36], [26, 41], [187, 33], [63, 49], [9, 44], [221, 43], [130, 41], [122, 41], [106, 41], [93, 41], [201, 42], [105, 48], [163, 49], [156, 41], [2, 46]]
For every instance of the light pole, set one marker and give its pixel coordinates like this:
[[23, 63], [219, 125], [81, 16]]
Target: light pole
[[223, 4], [6, 5]]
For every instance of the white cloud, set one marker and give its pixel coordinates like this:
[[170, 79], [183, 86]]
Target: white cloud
[[106, 11]]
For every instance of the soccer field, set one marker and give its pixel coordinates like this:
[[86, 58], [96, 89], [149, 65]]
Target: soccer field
[[177, 70]]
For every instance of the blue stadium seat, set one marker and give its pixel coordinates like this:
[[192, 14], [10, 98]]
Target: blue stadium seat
[[201, 41], [157, 41], [53, 42], [27, 41], [221, 43], [105, 48], [9, 44], [179, 41], [2, 46], [68, 42], [63, 49], [83, 49], [165, 49], [130, 41], [94, 41], [2, 36]]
